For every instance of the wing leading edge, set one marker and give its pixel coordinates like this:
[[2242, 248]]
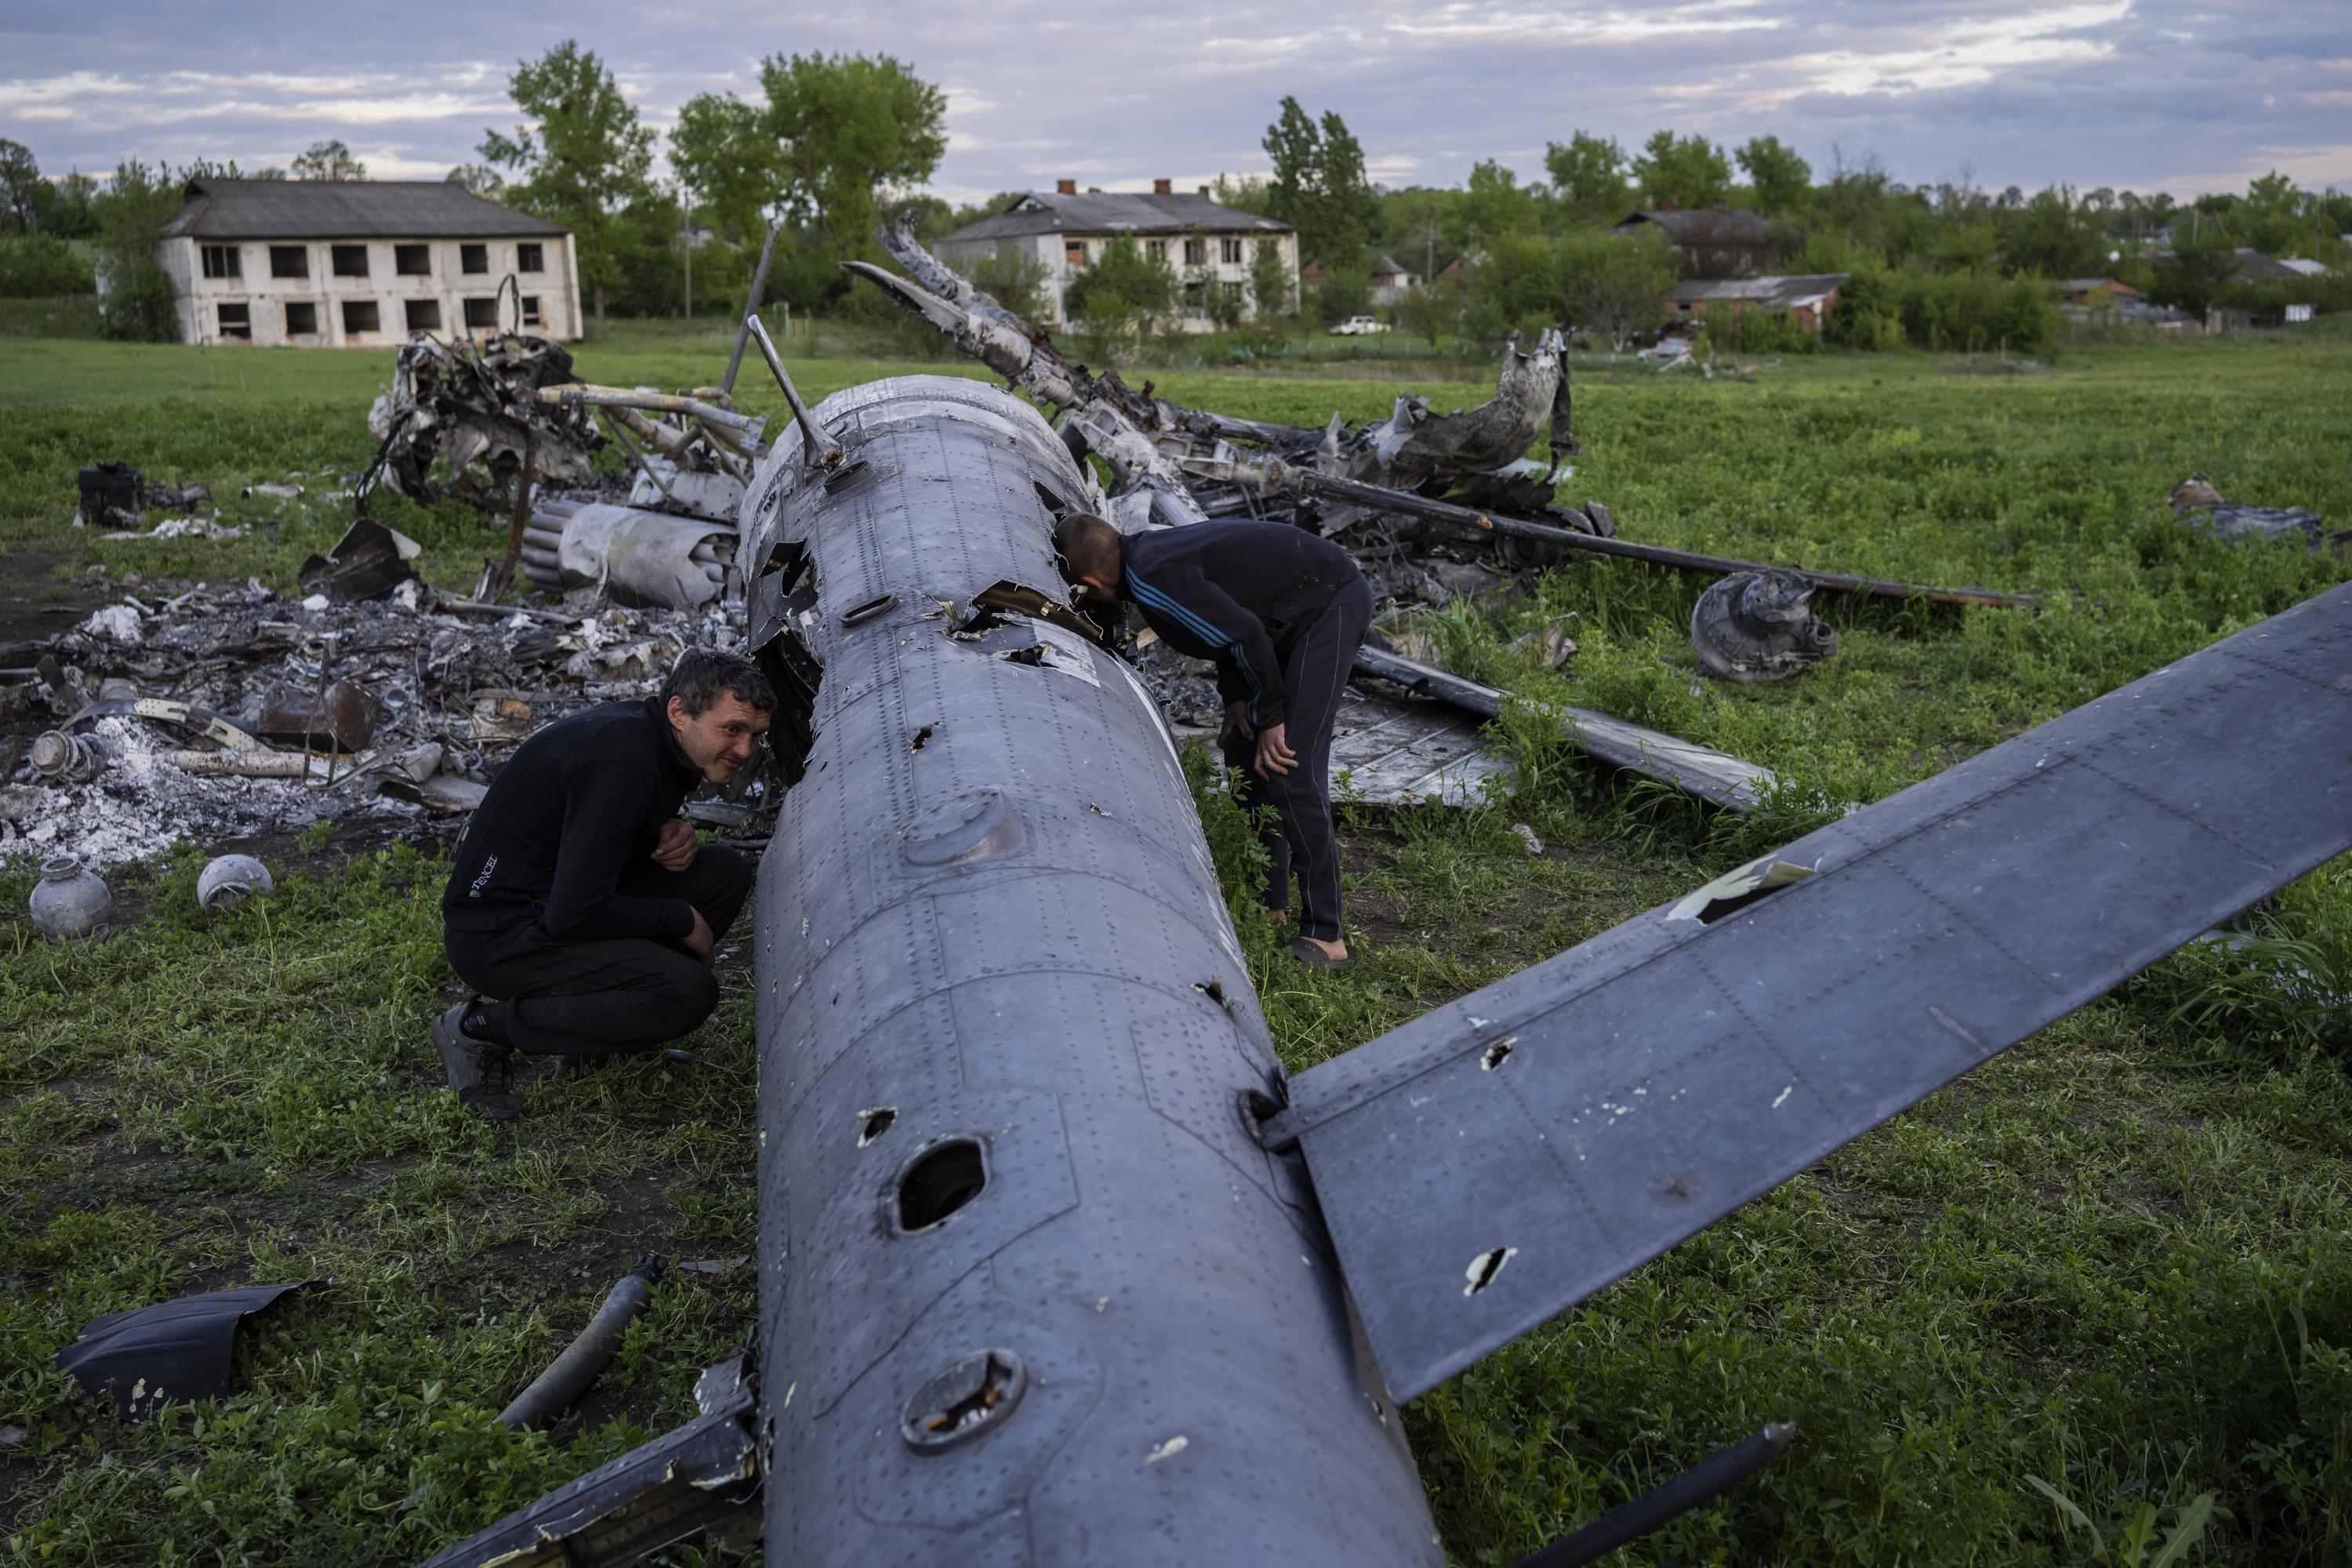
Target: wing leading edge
[[1497, 1160]]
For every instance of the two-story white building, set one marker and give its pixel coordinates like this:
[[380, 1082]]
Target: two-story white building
[[1210, 245], [362, 263]]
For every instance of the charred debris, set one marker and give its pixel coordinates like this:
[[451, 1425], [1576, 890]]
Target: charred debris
[[222, 710]]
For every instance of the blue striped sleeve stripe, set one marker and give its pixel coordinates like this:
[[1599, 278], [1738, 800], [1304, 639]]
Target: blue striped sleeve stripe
[[1202, 629]]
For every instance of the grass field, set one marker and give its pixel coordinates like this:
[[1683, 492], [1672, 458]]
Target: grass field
[[2091, 1302]]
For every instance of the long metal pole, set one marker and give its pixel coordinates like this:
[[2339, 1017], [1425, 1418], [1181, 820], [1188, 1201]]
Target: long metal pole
[[1388, 500], [821, 451], [751, 305]]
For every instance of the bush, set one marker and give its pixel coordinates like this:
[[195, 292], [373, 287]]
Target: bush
[[1970, 312], [132, 212], [39, 267]]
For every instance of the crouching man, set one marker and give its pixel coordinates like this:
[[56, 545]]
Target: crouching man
[[1281, 612], [579, 899]]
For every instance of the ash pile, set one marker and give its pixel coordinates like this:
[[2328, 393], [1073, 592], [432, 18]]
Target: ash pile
[[222, 712]]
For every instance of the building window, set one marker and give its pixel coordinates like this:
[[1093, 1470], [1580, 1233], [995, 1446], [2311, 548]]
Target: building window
[[1229, 252], [290, 261], [237, 321], [473, 258], [1074, 252], [302, 315], [528, 257], [359, 316], [423, 315], [531, 310], [482, 313], [1157, 247], [1196, 251], [351, 260], [412, 261], [220, 261], [1196, 297]]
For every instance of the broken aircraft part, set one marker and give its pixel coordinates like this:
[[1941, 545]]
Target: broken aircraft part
[[171, 1351], [227, 881], [1714, 777], [1759, 626], [475, 407], [642, 558], [70, 900], [558, 1388], [1670, 1070], [369, 562], [1042, 866], [339, 716], [115, 495], [70, 759], [2196, 499]]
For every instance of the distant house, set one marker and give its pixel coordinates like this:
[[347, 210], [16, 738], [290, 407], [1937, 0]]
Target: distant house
[[2307, 268], [361, 263], [1720, 241], [2253, 266], [1210, 245], [1389, 280], [1804, 299], [2098, 293]]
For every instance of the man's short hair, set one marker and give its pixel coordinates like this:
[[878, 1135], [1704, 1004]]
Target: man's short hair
[[1089, 547], [703, 675]]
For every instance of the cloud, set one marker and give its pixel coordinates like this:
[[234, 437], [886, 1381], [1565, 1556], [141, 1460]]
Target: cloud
[[2147, 94]]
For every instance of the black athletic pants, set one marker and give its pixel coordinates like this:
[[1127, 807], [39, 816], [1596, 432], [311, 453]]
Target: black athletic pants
[[579, 999], [1305, 846]]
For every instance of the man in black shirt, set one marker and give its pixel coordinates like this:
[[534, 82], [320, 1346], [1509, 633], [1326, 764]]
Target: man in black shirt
[[580, 899], [1281, 612]]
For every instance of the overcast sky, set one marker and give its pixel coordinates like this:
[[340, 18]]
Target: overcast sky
[[2132, 94]]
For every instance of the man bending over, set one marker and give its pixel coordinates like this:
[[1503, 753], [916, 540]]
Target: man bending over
[[1281, 612], [579, 899]]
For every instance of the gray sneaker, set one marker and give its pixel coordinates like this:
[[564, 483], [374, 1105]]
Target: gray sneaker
[[481, 1071]]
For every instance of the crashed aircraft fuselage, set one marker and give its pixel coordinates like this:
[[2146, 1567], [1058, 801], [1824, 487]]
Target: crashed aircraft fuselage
[[1027, 1275]]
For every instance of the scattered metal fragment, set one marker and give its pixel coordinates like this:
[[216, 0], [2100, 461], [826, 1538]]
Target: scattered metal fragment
[[1701, 770], [1758, 626], [1660, 1506], [640, 557], [369, 562], [466, 417], [557, 1389], [700, 1479], [117, 495], [2195, 499], [70, 900], [172, 1350], [228, 881], [69, 759], [341, 715]]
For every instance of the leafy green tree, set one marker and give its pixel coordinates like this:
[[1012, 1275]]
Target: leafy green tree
[[1429, 310], [843, 127], [2202, 261], [1273, 291], [1015, 277], [1496, 204], [1588, 176], [1320, 188], [135, 304], [1614, 284], [328, 160], [2275, 218], [1243, 193], [20, 183], [1782, 180], [725, 156], [1682, 171], [2051, 237], [479, 178], [585, 160], [1127, 293], [1513, 285]]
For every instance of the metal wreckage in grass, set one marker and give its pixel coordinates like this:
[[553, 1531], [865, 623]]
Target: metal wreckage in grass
[[1056, 1262]]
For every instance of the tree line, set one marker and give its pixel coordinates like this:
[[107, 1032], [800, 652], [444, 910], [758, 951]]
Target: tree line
[[829, 141]]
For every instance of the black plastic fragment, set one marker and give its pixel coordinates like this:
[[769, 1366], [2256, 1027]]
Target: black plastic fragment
[[172, 1350]]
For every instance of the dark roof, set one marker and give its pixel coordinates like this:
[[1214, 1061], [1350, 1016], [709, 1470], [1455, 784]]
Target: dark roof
[[2085, 285], [1779, 293], [347, 209], [1116, 212], [1699, 225], [2253, 266]]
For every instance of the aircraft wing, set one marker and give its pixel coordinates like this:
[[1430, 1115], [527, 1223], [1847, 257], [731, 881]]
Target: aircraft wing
[[1499, 1159]]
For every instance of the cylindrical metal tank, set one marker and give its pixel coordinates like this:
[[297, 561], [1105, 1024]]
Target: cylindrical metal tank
[[1029, 1290]]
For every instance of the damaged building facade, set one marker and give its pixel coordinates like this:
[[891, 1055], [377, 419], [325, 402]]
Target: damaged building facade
[[1209, 245], [363, 264]]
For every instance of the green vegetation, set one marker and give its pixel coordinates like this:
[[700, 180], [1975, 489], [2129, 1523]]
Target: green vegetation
[[2093, 1302]]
